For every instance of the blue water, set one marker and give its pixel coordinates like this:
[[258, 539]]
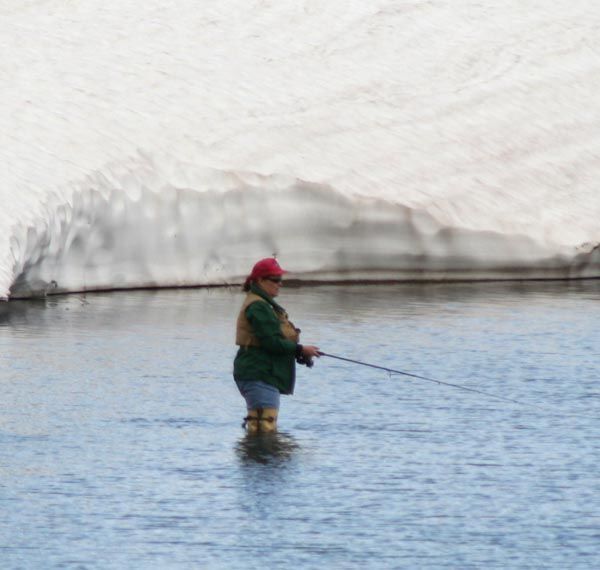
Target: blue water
[[121, 446]]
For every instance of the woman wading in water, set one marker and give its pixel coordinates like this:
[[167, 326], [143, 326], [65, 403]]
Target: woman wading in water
[[265, 364]]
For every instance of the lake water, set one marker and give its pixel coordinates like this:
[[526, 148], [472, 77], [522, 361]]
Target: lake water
[[121, 445]]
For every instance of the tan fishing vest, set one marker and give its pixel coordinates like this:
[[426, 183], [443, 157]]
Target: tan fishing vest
[[245, 335]]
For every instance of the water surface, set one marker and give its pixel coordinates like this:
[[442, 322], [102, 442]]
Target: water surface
[[121, 446]]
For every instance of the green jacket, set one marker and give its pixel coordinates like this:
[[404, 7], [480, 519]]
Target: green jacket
[[274, 361]]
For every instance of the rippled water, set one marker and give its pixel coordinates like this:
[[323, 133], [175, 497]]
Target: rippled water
[[121, 446]]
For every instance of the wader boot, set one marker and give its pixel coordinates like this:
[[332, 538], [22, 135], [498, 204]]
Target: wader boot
[[263, 420]]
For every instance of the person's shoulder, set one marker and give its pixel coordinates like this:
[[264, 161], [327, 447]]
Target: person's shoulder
[[258, 306]]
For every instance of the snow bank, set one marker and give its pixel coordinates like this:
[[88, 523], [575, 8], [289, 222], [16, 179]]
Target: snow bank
[[160, 144]]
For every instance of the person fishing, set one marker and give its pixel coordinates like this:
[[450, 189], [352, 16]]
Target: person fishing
[[269, 347]]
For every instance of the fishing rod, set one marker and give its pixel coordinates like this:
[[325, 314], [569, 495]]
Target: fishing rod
[[393, 371]]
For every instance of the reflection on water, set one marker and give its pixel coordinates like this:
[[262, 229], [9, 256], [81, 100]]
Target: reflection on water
[[266, 448]]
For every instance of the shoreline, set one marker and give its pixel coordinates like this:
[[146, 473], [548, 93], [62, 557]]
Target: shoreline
[[298, 283]]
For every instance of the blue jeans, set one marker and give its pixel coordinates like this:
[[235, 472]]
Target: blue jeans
[[258, 394]]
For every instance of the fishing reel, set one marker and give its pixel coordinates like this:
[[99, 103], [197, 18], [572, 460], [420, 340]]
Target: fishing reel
[[305, 361]]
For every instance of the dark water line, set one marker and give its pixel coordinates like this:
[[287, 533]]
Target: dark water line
[[299, 283]]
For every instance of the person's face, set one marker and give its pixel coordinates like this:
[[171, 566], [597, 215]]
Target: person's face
[[270, 285]]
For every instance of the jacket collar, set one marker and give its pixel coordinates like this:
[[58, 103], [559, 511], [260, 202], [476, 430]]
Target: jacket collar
[[254, 288]]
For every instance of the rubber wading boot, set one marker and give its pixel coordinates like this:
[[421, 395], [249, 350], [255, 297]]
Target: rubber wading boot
[[261, 420], [251, 421], [268, 420]]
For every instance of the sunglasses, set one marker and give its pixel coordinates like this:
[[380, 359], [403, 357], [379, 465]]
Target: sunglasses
[[273, 279]]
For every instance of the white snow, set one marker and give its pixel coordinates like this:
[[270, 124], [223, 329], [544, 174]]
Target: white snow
[[175, 143]]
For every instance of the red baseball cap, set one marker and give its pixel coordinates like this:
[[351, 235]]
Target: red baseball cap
[[266, 267]]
